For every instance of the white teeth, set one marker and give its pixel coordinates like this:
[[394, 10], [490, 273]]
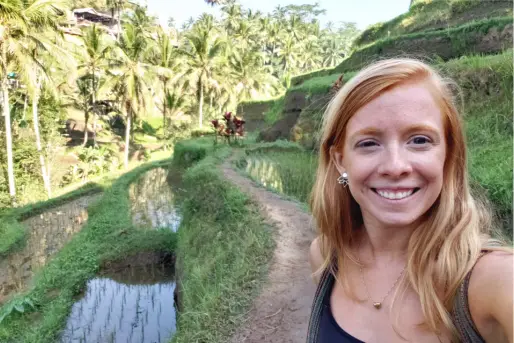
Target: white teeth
[[395, 196]]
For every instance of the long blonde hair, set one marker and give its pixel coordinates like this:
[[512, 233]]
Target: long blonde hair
[[443, 249]]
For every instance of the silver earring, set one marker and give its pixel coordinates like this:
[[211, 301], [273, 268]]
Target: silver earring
[[343, 179]]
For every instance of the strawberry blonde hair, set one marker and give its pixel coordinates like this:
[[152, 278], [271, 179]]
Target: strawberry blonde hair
[[443, 249]]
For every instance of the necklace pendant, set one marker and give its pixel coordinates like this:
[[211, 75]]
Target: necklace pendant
[[377, 305]]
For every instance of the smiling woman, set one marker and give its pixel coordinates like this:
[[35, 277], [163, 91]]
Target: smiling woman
[[401, 235]]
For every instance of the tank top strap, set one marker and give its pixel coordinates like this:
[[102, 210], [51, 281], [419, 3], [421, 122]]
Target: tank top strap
[[461, 313], [325, 284]]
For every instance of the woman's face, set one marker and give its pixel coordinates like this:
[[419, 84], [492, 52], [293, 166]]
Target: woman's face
[[394, 154]]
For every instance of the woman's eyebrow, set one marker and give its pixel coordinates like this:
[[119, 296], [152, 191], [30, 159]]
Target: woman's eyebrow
[[375, 131], [422, 127], [371, 131]]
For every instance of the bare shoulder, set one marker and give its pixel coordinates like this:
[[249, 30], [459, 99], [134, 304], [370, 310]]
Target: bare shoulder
[[490, 296], [316, 258]]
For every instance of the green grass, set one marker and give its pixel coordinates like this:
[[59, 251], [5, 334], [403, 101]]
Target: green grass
[[298, 79], [107, 235], [426, 15], [259, 101], [223, 249], [275, 111], [284, 169], [187, 152], [321, 84], [452, 43]]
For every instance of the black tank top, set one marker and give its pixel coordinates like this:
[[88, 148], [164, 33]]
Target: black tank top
[[329, 330]]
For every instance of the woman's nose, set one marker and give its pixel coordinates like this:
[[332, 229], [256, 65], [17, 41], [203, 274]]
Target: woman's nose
[[395, 162]]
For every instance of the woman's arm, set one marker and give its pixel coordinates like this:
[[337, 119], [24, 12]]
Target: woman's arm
[[490, 297]]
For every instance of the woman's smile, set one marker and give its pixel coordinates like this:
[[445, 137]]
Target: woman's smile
[[395, 194]]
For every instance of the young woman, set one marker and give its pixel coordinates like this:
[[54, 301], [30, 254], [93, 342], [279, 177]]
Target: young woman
[[403, 252]]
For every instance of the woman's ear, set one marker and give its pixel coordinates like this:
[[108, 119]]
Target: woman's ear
[[337, 159]]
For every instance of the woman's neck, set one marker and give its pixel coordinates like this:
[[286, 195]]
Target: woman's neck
[[379, 245]]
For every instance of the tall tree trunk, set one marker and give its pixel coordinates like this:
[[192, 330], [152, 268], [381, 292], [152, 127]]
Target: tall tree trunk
[[119, 25], [94, 108], [86, 119], [164, 107], [44, 173], [127, 137], [25, 105], [8, 134], [210, 104], [200, 103]]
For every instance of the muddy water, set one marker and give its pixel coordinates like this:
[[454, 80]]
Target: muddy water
[[131, 305], [46, 234], [153, 201], [135, 303]]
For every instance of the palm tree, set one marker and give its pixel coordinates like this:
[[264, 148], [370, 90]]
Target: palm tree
[[130, 77], [116, 6], [94, 63], [332, 52], [279, 13], [311, 57], [233, 16], [246, 34], [35, 72], [247, 68], [175, 101], [289, 56], [204, 56], [216, 2], [295, 28], [188, 24], [21, 21], [165, 58]]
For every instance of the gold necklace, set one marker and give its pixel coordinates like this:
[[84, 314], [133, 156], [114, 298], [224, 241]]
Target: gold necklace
[[378, 305]]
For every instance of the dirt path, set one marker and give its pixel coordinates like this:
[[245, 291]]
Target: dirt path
[[281, 312]]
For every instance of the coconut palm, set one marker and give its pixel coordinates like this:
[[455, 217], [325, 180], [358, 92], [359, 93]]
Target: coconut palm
[[94, 62], [167, 61], [332, 52], [311, 56], [247, 67], [130, 77], [289, 56], [216, 2], [204, 55], [39, 68], [117, 7], [233, 16], [21, 21]]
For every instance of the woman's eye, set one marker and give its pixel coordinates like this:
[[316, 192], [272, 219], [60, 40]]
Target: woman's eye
[[366, 144], [421, 140]]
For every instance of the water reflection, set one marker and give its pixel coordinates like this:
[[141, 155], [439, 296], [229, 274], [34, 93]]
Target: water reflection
[[265, 171], [134, 305], [153, 202], [47, 233]]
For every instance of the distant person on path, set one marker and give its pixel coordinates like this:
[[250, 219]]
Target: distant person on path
[[404, 252]]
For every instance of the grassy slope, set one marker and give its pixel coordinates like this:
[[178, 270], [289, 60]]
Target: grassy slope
[[107, 235], [222, 251], [444, 44], [426, 15]]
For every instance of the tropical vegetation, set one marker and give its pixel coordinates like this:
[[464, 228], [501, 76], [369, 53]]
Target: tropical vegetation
[[101, 86]]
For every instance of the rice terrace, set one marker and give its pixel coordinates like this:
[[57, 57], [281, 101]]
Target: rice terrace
[[155, 179]]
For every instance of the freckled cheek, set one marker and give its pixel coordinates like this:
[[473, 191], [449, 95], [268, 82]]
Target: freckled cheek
[[430, 167], [360, 173]]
